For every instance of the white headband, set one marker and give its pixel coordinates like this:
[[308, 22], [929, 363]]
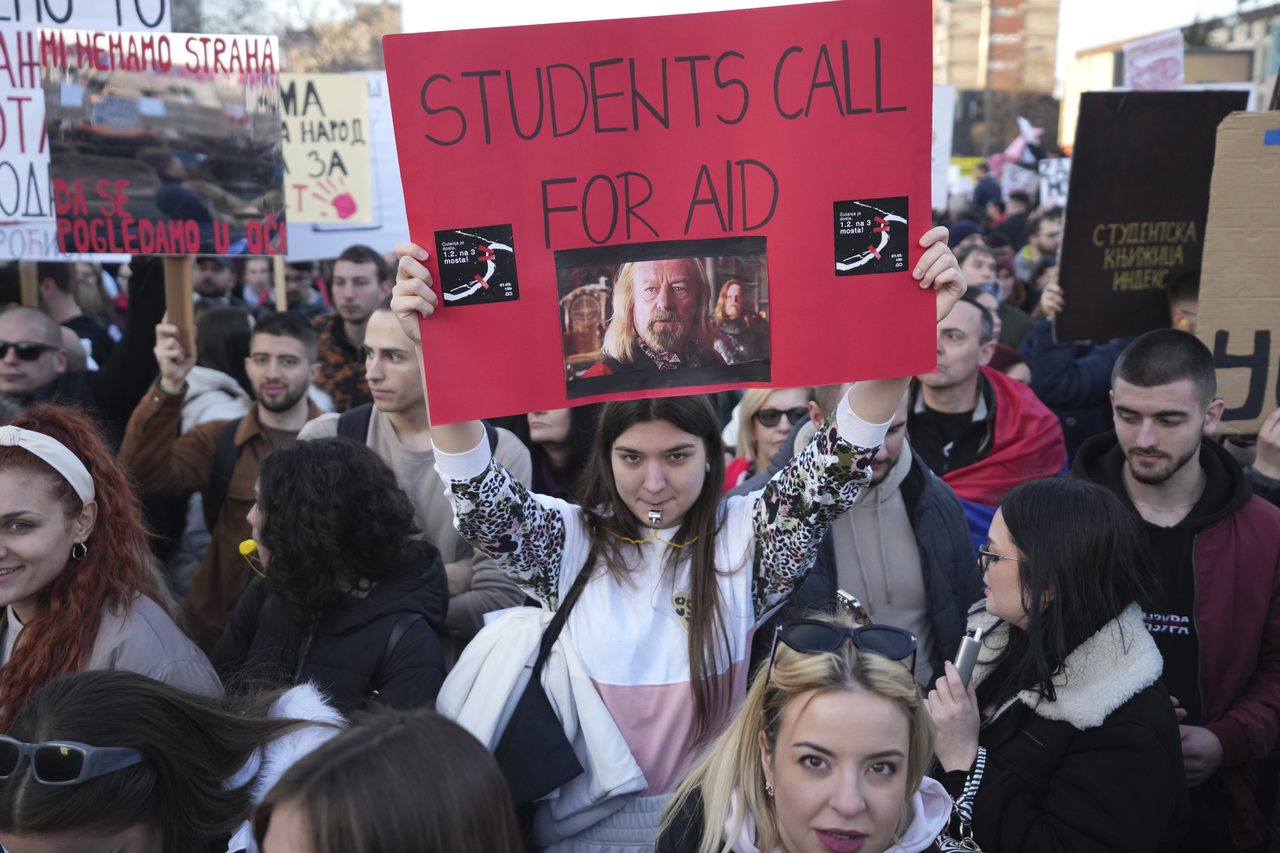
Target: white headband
[[53, 452]]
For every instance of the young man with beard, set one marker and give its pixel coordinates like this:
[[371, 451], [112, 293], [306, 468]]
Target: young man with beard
[[281, 367], [1216, 613], [660, 319], [396, 426], [359, 283]]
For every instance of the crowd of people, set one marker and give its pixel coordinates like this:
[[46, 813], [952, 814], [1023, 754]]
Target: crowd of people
[[254, 600]]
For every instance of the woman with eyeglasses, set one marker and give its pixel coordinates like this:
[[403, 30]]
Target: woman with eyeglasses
[[1065, 740], [677, 580], [766, 417], [73, 566], [827, 755], [395, 782], [115, 761]]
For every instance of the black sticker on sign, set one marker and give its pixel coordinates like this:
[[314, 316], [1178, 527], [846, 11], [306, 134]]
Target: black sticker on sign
[[871, 236], [477, 265]]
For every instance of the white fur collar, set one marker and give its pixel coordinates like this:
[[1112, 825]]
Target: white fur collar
[[303, 702], [1103, 672]]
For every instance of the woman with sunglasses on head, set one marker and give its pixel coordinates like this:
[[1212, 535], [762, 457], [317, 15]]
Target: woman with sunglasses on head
[[100, 761], [827, 755], [766, 417], [1065, 740], [395, 782], [73, 566], [675, 579]]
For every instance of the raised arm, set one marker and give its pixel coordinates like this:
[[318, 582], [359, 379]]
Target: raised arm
[[493, 510], [822, 481]]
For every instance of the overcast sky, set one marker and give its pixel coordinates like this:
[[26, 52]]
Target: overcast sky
[[1082, 23]]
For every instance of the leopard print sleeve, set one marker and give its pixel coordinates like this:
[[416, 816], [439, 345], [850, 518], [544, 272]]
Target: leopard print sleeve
[[793, 512], [499, 516]]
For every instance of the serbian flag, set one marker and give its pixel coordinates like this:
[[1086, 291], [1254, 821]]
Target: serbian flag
[[1028, 444]]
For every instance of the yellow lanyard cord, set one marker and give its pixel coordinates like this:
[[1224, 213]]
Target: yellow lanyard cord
[[653, 538]]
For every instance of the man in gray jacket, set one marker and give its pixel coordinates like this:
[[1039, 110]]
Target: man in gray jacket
[[903, 549]]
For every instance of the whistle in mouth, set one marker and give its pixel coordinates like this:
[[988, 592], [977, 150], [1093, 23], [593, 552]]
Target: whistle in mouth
[[655, 516]]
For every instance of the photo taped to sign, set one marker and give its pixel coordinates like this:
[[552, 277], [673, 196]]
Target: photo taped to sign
[[164, 144], [662, 315], [871, 236], [477, 265]]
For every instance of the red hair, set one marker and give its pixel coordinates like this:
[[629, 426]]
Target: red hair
[[60, 634]]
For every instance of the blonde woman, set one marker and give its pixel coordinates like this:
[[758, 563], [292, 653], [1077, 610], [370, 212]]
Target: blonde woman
[[766, 417], [792, 774]]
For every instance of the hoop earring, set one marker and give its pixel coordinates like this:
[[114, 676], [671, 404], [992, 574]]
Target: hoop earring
[[79, 551], [768, 788]]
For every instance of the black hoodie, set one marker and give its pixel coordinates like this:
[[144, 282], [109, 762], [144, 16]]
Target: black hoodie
[[1171, 615], [346, 656]]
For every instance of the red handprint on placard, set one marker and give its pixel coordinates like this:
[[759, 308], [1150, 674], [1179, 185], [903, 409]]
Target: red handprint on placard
[[337, 195]]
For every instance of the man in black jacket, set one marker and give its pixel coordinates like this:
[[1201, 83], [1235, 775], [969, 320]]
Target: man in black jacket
[[903, 549]]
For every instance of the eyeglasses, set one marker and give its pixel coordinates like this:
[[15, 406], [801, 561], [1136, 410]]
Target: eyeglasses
[[770, 417], [65, 762], [30, 350], [989, 558], [813, 637]]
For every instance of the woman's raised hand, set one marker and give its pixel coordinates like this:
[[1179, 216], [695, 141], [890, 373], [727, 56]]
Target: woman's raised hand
[[412, 296], [954, 709], [938, 268]]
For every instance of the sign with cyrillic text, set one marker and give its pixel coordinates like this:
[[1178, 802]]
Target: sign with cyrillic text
[[668, 205], [1136, 207], [326, 151], [26, 194]]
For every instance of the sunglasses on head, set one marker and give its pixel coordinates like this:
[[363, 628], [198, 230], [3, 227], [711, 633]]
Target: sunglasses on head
[[770, 417], [813, 637], [27, 350], [65, 762]]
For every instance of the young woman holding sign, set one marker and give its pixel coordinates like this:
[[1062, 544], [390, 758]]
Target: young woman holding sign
[[678, 579]]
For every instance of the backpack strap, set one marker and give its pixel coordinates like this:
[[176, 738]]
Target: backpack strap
[[354, 424], [224, 465], [398, 630]]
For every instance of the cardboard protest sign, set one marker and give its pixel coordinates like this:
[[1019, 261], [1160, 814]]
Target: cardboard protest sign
[[1156, 63], [1239, 312], [27, 224], [613, 206], [164, 144], [1139, 195], [1055, 173], [326, 149], [387, 223]]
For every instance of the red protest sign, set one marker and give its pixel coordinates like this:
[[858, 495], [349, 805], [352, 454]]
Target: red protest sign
[[630, 208]]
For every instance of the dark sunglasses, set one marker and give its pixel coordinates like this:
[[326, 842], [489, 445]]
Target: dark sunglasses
[[813, 637], [65, 762], [27, 350], [770, 417]]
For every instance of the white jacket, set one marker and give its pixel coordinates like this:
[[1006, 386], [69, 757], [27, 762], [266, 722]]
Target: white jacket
[[482, 691]]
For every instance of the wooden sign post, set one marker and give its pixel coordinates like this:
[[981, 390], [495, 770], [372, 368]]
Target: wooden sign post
[[178, 299], [29, 283], [277, 275]]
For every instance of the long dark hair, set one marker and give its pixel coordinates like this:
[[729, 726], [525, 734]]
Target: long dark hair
[[334, 521], [608, 519], [60, 636], [194, 745], [399, 782], [1084, 552]]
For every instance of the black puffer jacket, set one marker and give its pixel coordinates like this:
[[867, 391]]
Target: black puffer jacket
[[347, 656]]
